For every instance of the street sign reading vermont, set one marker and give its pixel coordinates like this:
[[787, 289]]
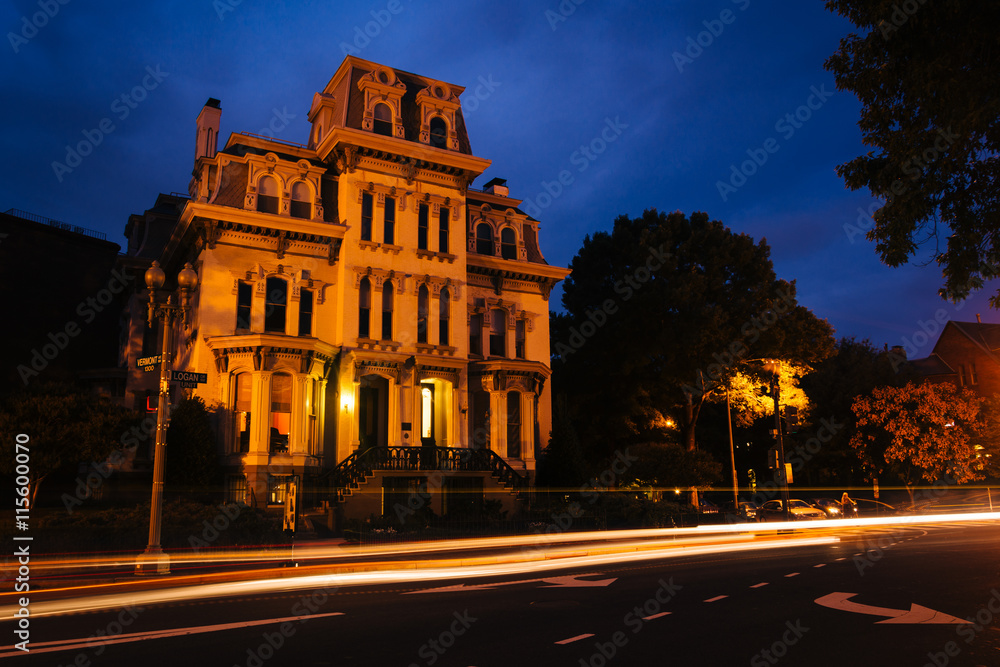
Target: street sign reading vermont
[[148, 363]]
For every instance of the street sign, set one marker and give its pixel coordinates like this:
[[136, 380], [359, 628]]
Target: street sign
[[193, 378], [149, 363]]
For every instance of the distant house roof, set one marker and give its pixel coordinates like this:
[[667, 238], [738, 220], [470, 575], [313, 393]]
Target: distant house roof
[[986, 336], [932, 365]]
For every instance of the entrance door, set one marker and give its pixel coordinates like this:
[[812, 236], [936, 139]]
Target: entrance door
[[373, 413], [427, 414]]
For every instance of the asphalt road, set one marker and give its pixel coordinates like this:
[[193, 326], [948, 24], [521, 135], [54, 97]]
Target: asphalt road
[[846, 603]]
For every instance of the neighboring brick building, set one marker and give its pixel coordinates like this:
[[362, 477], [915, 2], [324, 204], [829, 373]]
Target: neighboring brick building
[[966, 354], [366, 320]]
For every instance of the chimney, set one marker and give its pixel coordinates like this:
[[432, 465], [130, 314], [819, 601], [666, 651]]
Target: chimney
[[497, 186], [207, 139]]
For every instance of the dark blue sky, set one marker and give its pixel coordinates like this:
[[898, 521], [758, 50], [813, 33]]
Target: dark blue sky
[[661, 130]]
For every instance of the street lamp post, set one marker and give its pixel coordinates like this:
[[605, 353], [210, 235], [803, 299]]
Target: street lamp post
[[773, 367], [154, 560]]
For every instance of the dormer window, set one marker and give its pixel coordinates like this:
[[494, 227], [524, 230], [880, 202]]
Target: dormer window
[[267, 195], [508, 243], [484, 239], [300, 206], [439, 132], [382, 117]]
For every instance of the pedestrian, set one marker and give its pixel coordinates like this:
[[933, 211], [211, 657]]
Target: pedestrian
[[847, 507]]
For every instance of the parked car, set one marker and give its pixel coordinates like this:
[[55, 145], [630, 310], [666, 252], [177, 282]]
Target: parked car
[[798, 510], [707, 506], [830, 507], [745, 510], [870, 508]]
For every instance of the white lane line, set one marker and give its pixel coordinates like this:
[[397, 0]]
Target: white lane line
[[575, 639], [820, 565], [763, 583], [74, 644], [716, 598], [844, 558], [650, 618], [793, 574]]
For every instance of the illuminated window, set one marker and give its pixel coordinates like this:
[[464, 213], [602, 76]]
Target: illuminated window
[[281, 412], [241, 410], [267, 195], [275, 305]]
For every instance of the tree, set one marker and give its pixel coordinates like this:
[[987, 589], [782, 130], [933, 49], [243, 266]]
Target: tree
[[65, 425], [750, 403], [926, 76], [665, 465], [920, 431], [856, 369], [660, 312], [192, 459]]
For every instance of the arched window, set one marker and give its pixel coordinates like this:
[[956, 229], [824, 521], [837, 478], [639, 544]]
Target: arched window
[[387, 311], [422, 307], [439, 132], [508, 243], [281, 412], [275, 305], [364, 308], [444, 317], [498, 333], [301, 207], [382, 120], [241, 412], [267, 195], [484, 239]]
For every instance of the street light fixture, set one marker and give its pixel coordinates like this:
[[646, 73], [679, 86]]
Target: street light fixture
[[154, 560]]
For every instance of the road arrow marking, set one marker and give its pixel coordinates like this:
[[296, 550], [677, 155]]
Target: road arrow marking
[[555, 582], [915, 614]]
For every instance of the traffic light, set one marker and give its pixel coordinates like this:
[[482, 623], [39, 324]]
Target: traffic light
[[792, 418]]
